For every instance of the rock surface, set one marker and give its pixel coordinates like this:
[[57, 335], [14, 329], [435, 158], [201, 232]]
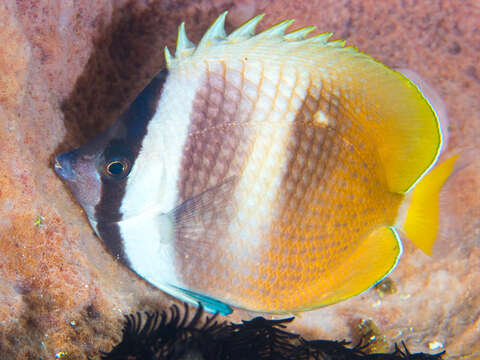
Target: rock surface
[[68, 68]]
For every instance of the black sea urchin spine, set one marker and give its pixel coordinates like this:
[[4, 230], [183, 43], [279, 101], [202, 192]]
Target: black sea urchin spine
[[171, 335]]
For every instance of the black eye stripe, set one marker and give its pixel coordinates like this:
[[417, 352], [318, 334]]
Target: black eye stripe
[[134, 122]]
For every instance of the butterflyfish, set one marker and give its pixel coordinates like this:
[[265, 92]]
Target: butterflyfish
[[267, 171]]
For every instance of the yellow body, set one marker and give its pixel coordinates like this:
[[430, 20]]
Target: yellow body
[[318, 145]]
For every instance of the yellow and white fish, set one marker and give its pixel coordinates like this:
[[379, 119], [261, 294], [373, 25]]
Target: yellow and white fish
[[264, 171]]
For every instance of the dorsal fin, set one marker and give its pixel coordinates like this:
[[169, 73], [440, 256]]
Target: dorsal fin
[[389, 108], [216, 35]]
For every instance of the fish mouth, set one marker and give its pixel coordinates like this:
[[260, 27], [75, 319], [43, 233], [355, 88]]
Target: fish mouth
[[63, 167], [80, 176]]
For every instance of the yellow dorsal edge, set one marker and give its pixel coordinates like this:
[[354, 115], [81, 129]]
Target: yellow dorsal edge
[[389, 108]]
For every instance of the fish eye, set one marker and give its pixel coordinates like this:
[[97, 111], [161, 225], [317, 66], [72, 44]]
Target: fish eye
[[117, 168]]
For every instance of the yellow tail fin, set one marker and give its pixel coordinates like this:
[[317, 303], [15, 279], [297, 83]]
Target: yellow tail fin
[[421, 221]]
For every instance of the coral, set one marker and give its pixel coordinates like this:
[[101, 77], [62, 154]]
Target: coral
[[68, 68]]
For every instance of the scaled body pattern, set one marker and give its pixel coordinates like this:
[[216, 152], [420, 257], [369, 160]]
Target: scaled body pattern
[[264, 171]]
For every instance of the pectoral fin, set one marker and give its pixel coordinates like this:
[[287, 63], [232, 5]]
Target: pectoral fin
[[198, 225], [199, 221], [204, 207]]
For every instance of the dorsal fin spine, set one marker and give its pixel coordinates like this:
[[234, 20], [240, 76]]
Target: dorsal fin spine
[[276, 30], [247, 30], [215, 33], [168, 57], [299, 34], [320, 38], [184, 46]]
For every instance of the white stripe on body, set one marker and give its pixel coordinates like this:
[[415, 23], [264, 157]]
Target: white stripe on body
[[151, 190], [276, 103]]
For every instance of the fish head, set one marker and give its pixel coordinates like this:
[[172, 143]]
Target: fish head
[[98, 172], [79, 172], [102, 164]]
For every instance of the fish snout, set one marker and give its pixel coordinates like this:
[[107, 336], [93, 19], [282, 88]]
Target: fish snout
[[78, 171], [63, 167]]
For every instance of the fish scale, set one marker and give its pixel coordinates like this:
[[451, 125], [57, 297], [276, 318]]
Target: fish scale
[[261, 167], [320, 228]]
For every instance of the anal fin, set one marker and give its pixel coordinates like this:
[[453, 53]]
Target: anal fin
[[370, 263]]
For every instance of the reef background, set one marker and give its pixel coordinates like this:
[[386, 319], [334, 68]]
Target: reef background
[[68, 68]]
